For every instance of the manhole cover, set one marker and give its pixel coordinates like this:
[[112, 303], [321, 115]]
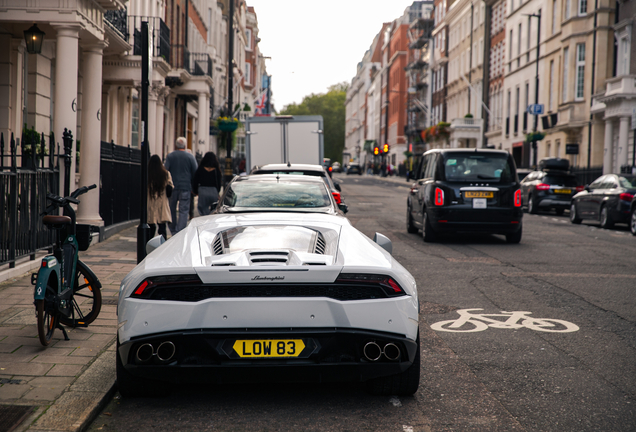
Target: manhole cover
[[12, 415]]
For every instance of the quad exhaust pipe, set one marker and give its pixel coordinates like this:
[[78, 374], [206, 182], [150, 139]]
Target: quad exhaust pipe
[[373, 352], [164, 353]]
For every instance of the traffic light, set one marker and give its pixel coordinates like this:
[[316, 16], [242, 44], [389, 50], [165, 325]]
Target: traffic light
[[386, 148], [376, 151]]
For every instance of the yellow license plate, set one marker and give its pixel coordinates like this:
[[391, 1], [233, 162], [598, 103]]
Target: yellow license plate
[[563, 191], [478, 194], [269, 348]]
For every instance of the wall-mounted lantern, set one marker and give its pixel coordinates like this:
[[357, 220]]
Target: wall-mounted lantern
[[34, 38]]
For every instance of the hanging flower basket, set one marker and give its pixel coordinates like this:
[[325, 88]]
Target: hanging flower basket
[[227, 125]]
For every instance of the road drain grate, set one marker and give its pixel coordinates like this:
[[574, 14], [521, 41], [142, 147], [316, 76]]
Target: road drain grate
[[12, 415]]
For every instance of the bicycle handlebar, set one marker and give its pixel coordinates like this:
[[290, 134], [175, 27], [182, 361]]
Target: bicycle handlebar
[[64, 201]]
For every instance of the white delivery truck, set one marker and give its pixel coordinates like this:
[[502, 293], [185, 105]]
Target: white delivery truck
[[282, 139]]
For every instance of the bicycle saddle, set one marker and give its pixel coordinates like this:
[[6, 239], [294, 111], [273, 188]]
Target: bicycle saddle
[[56, 221]]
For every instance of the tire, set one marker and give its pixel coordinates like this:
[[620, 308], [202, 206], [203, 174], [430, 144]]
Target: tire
[[514, 237], [410, 228], [428, 233], [548, 325], [132, 386], [632, 222], [88, 290], [47, 315], [402, 384], [606, 218], [574, 217], [532, 207]]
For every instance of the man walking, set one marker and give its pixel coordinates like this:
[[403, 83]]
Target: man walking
[[182, 166]]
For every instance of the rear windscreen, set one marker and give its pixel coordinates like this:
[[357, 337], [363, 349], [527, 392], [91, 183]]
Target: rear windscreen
[[472, 167], [560, 180]]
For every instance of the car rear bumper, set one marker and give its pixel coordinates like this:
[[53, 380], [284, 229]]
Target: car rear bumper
[[208, 356], [555, 203], [491, 220]]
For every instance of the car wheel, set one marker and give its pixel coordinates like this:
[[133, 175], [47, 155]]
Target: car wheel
[[574, 217], [559, 212], [514, 237], [606, 218], [410, 228], [402, 384], [428, 233], [532, 207], [133, 386], [632, 222]]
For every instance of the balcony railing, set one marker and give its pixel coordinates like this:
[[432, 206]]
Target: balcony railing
[[197, 64], [160, 35], [118, 20], [465, 123]]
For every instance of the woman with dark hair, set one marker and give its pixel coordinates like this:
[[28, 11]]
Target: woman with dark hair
[[159, 190], [207, 182]]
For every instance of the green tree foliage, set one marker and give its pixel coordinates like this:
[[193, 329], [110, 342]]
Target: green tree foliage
[[331, 106]]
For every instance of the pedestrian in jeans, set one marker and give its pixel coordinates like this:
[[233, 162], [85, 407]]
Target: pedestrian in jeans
[[160, 187], [182, 166], [207, 183]]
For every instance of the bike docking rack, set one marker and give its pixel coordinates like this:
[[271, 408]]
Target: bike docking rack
[[472, 322]]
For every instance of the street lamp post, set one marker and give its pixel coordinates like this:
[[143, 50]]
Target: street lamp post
[[536, 91]]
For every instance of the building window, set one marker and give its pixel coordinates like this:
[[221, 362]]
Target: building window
[[551, 106], [554, 16], [567, 8], [248, 75], [134, 138], [525, 110], [566, 71], [623, 56], [582, 7], [516, 128], [519, 46], [580, 72]]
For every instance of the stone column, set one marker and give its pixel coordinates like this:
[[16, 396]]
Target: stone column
[[623, 134], [203, 129], [88, 210], [159, 127], [608, 151], [66, 66], [152, 117]]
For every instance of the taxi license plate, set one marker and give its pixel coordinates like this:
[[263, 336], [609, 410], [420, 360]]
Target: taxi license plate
[[478, 194], [269, 348], [563, 191]]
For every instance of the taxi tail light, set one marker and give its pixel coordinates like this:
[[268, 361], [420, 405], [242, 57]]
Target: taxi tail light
[[542, 187], [148, 285], [439, 197], [387, 283], [626, 197], [337, 197], [518, 199], [580, 188]]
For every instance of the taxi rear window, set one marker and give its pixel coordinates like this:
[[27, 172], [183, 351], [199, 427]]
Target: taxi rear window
[[472, 167]]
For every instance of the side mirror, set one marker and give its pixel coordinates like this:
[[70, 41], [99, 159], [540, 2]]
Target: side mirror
[[384, 242], [154, 243], [337, 186], [344, 208]]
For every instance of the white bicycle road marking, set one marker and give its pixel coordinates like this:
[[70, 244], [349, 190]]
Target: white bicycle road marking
[[469, 322]]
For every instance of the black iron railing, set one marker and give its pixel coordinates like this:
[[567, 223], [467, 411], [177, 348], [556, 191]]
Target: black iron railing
[[23, 192], [197, 64], [585, 176], [160, 35], [120, 173], [118, 20]]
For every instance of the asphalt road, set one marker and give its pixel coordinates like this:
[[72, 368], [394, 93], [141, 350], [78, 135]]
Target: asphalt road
[[580, 376]]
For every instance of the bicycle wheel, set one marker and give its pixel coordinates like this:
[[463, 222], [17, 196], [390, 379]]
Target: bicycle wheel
[[550, 325], [48, 316], [467, 327], [87, 298]]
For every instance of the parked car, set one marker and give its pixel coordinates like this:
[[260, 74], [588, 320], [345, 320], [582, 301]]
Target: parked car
[[460, 190], [303, 169], [354, 168], [268, 291], [336, 167], [632, 220], [326, 163], [606, 200], [550, 188]]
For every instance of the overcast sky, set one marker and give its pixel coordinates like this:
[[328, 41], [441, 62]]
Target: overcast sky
[[315, 44]]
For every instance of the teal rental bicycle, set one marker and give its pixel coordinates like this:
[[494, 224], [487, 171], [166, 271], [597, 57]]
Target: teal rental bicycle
[[66, 290]]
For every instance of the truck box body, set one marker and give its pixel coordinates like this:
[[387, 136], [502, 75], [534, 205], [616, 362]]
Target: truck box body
[[295, 139]]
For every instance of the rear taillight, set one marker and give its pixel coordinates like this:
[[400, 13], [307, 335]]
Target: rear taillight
[[518, 199], [542, 187], [387, 283], [439, 197], [626, 197], [580, 188], [336, 196], [146, 288]]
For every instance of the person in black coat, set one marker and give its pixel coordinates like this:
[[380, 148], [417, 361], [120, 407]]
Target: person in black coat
[[207, 182]]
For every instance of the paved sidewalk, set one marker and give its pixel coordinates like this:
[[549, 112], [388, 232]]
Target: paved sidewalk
[[64, 384]]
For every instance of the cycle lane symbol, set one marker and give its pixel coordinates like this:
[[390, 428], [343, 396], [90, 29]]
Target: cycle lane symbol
[[475, 322]]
